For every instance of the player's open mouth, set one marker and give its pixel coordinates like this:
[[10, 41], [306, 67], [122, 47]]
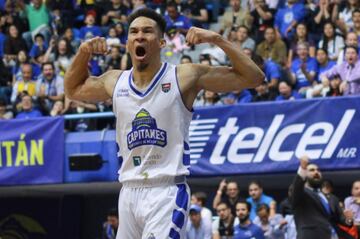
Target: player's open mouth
[[140, 51]]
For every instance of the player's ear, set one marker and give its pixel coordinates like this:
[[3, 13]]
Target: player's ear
[[162, 42]]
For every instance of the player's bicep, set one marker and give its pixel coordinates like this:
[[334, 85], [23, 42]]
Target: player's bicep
[[221, 79]]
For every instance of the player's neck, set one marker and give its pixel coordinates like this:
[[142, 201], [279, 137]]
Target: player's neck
[[142, 77]]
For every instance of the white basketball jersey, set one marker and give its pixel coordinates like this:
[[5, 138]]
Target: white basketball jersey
[[152, 127]]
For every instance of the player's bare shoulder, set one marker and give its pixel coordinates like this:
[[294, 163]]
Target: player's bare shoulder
[[110, 78], [188, 75]]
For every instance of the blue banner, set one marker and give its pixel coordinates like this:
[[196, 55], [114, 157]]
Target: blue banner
[[31, 151], [270, 137]]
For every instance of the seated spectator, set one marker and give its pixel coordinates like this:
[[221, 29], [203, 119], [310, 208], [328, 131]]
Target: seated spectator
[[303, 68], [4, 113], [61, 53], [301, 36], [348, 71], [262, 18], [344, 20], [57, 109], [331, 41], [78, 107], [197, 227], [234, 17], [185, 59], [288, 17], [216, 54], [137, 4], [246, 229], [237, 97], [121, 34], [272, 73], [273, 227], [352, 203], [111, 225], [175, 41], [229, 193], [114, 11], [27, 110], [39, 47], [223, 226], [334, 85], [317, 89], [5, 82], [209, 98], [16, 69], [13, 44], [350, 40], [243, 39], [356, 22], [199, 198], [287, 212], [70, 37], [323, 62], [49, 86], [90, 30], [321, 14], [176, 20], [25, 83], [257, 197], [113, 60], [112, 39], [196, 11], [272, 48], [263, 93], [286, 93]]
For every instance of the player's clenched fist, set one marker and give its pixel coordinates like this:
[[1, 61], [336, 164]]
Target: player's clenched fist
[[197, 35], [96, 45]]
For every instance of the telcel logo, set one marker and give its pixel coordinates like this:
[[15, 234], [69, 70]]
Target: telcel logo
[[271, 140]]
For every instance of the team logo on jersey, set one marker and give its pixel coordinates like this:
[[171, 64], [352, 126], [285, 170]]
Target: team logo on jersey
[[151, 236], [166, 87], [145, 131]]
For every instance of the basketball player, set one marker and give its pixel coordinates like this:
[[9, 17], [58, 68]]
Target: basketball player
[[153, 106]]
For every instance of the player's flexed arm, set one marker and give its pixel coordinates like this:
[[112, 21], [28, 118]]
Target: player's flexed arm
[[79, 85], [193, 77]]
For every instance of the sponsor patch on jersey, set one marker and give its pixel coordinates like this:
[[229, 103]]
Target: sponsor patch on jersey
[[122, 93], [145, 131], [137, 160], [166, 87]]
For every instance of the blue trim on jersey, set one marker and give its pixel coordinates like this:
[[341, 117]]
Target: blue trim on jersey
[[178, 86], [157, 78], [186, 159], [178, 218], [182, 197], [186, 146], [174, 234]]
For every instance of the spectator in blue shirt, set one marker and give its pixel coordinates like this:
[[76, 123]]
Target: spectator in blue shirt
[[303, 68], [246, 229], [197, 228], [90, 30], [286, 93], [27, 109], [257, 197], [176, 20], [323, 62], [39, 47], [288, 17]]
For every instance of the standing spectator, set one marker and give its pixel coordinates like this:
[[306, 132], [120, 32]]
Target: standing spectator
[[199, 198], [13, 44], [90, 29], [196, 11], [4, 114], [315, 215], [301, 36], [348, 71], [27, 110], [111, 225], [319, 17], [49, 86], [262, 18], [303, 68], [343, 20], [288, 17], [114, 12], [25, 83], [352, 203], [38, 18], [197, 228], [350, 40], [234, 17], [257, 197], [243, 39], [286, 93], [272, 48], [246, 229], [229, 193], [176, 20], [223, 226], [288, 214], [273, 227], [331, 41]]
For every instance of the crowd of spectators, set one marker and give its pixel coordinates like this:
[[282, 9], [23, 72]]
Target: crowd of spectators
[[307, 48], [257, 215]]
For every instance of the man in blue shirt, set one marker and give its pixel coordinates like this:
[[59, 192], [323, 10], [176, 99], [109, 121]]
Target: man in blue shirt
[[286, 18], [27, 109], [246, 229], [303, 68], [257, 197], [176, 20], [286, 93], [198, 228]]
